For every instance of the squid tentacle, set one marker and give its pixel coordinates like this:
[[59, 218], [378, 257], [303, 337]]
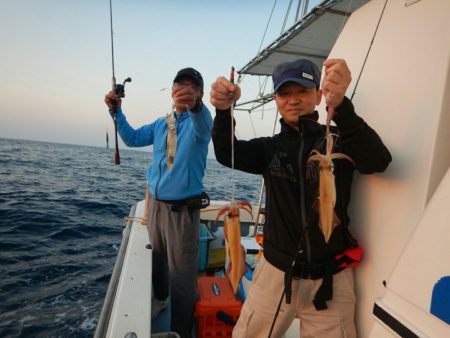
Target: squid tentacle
[[234, 249]]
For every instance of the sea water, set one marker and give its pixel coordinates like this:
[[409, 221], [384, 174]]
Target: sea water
[[62, 208]]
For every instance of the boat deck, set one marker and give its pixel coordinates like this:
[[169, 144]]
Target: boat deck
[[127, 307]]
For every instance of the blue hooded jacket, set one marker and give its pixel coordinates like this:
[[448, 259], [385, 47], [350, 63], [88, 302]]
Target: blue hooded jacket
[[193, 135]]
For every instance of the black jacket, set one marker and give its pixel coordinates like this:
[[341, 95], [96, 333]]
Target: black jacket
[[291, 219]]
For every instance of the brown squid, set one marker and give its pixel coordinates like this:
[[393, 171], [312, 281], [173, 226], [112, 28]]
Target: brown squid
[[171, 144], [327, 188], [234, 249]]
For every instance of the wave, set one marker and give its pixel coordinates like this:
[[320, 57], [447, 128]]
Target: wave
[[62, 208]]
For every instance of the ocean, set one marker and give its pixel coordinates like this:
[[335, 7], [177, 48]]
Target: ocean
[[62, 208]]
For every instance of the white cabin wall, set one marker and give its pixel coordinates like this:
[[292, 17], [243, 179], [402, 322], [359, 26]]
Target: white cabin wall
[[423, 263], [441, 155], [403, 94]]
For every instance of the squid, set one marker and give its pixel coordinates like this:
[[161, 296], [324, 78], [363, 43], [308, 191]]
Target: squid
[[171, 144], [234, 249], [327, 188]]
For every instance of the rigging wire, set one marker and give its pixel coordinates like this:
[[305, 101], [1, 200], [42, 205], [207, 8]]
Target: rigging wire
[[263, 110], [286, 17], [267, 25], [344, 21], [297, 12], [264, 34], [251, 123], [262, 86], [261, 90]]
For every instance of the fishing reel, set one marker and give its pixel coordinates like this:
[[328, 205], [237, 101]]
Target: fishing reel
[[119, 89]]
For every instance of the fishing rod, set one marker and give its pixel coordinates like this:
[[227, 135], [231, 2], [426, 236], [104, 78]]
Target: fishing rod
[[119, 89]]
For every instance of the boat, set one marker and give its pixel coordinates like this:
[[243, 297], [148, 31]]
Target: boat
[[126, 311], [399, 55]]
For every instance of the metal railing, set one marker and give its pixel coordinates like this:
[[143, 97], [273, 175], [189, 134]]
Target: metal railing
[[105, 314]]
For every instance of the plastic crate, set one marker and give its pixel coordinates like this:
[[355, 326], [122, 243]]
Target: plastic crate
[[205, 237], [218, 309]]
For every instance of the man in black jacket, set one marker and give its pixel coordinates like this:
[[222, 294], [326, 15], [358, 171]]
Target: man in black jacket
[[302, 275]]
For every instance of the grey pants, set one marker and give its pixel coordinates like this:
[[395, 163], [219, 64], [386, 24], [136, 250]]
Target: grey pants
[[174, 235]]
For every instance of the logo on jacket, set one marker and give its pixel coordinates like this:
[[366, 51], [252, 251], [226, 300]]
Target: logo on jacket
[[278, 169]]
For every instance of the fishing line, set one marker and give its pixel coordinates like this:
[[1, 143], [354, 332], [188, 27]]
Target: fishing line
[[368, 51], [261, 191], [233, 183], [276, 314]]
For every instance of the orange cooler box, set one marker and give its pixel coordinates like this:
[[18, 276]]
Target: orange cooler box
[[218, 309]]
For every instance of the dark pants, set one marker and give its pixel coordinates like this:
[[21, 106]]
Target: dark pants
[[174, 235]]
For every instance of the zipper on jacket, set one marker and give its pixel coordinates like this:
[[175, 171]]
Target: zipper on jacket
[[302, 197], [159, 178]]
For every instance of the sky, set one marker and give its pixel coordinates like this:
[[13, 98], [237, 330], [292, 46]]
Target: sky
[[56, 61]]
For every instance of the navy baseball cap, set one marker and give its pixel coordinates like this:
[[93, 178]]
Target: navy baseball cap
[[191, 73], [301, 71]]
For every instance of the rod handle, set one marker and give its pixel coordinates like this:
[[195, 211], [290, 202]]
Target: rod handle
[[116, 149]]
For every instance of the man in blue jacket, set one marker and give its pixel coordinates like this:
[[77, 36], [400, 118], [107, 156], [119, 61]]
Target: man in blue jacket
[[180, 145]]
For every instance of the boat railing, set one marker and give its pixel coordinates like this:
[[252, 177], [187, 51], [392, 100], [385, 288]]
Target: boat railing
[[105, 314]]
